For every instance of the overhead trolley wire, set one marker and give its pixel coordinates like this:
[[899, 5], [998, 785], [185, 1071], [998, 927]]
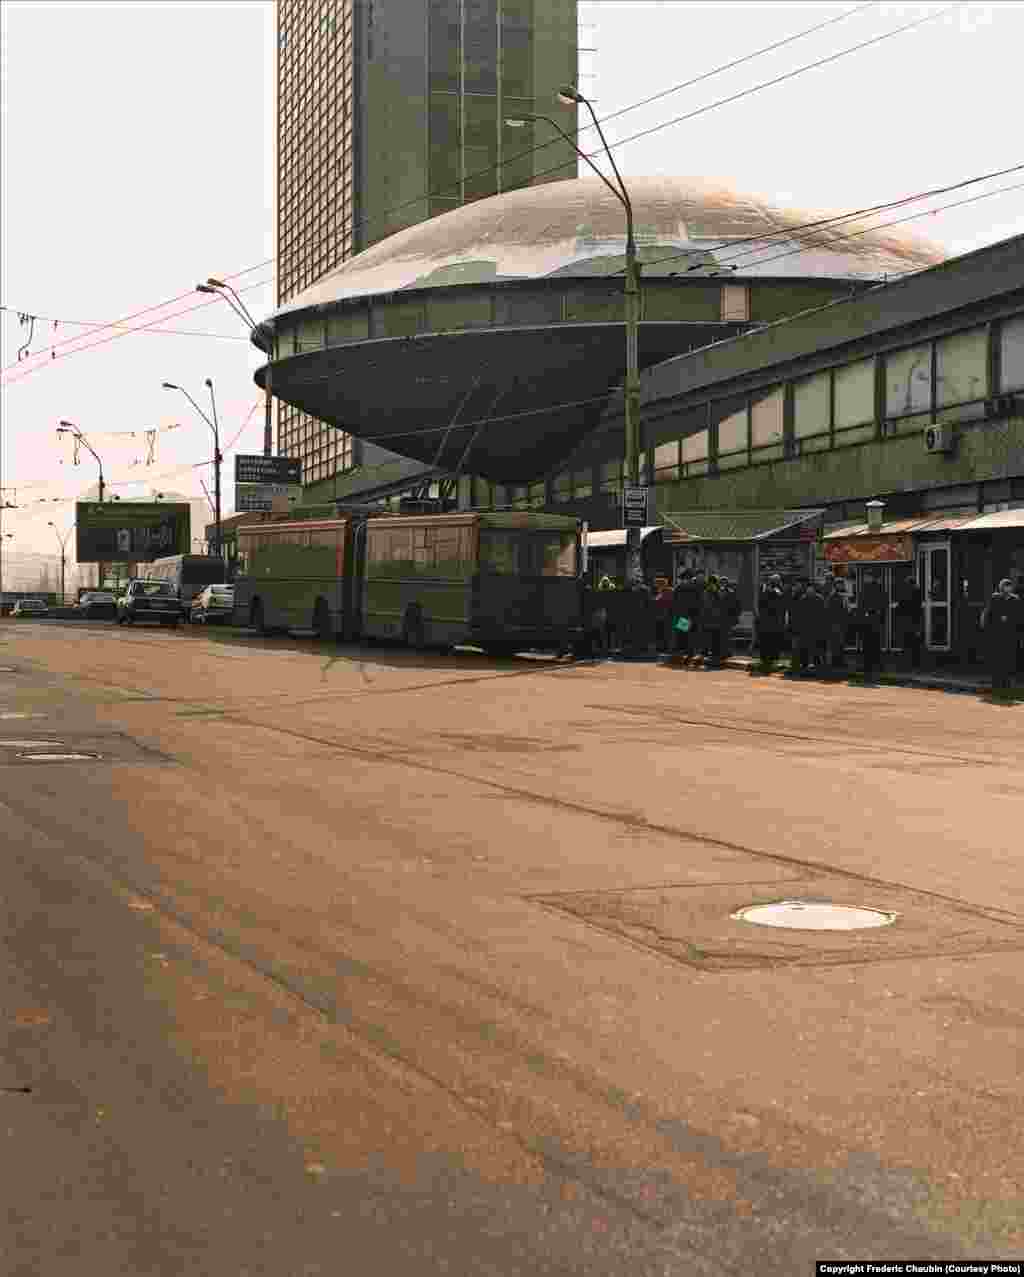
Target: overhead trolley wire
[[559, 167]]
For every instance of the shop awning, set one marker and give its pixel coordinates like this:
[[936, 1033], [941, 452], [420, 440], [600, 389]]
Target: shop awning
[[685, 526], [962, 522], [615, 539]]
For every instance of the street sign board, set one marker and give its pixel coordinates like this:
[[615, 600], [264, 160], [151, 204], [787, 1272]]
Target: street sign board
[[635, 501], [268, 470], [130, 531], [266, 496]]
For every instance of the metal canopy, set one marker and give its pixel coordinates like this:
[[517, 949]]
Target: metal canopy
[[685, 526], [504, 403]]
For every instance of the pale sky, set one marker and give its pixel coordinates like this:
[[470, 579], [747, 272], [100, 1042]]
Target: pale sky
[[137, 159]]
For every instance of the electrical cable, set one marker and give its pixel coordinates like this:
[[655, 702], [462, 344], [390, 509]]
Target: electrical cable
[[912, 217], [835, 218], [96, 324], [557, 168]]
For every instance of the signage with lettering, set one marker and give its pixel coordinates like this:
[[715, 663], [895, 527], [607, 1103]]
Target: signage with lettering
[[266, 496], [793, 560], [869, 549], [635, 506], [130, 531], [253, 469]]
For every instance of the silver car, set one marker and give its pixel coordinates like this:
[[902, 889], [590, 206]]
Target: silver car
[[215, 603]]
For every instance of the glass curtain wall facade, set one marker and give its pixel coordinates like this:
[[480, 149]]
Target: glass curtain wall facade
[[316, 57], [391, 112]]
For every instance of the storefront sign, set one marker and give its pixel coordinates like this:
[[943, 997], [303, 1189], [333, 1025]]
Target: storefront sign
[[880, 549]]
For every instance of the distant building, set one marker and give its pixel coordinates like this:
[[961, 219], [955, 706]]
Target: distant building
[[389, 114]]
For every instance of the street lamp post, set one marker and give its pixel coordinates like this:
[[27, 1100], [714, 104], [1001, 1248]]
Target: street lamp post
[[63, 558], [222, 289], [570, 96], [69, 428], [217, 458]]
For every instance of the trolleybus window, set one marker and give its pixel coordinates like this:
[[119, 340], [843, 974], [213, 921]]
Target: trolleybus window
[[514, 552]]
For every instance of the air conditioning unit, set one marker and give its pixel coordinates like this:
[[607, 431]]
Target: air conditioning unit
[[939, 439]]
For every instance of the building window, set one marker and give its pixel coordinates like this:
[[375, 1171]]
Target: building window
[[812, 405], [733, 431], [735, 303], [666, 461], [855, 394], [766, 417], [908, 382], [961, 375], [1011, 354], [694, 452]]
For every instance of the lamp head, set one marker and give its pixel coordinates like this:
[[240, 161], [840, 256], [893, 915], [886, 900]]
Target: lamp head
[[204, 288], [216, 283], [569, 96], [209, 383], [169, 385]]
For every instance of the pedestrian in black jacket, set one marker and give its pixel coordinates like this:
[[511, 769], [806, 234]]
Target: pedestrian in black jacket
[[733, 610], [837, 619], [1003, 624], [807, 619], [713, 618], [910, 622], [690, 601], [771, 619], [871, 621]]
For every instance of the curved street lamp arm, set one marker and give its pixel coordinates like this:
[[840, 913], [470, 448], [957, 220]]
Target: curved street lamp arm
[[199, 410], [611, 159], [582, 154]]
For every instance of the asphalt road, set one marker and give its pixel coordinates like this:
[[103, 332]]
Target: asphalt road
[[338, 960]]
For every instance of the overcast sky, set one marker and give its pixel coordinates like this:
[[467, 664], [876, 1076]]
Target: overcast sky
[[137, 158]]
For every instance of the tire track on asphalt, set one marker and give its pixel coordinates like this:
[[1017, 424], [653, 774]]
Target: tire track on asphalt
[[364, 1039], [403, 758]]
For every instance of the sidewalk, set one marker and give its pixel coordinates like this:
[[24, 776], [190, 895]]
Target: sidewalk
[[973, 681]]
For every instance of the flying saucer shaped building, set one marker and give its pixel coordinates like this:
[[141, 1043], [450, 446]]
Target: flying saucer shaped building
[[489, 339]]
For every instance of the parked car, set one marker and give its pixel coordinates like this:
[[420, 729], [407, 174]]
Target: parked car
[[214, 603], [149, 601], [97, 603], [29, 607]]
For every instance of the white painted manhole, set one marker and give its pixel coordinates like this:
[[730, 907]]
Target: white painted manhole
[[29, 744], [57, 758], [17, 715], [814, 915]]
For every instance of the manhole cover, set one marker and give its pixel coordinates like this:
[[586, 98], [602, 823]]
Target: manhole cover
[[814, 915], [56, 758]]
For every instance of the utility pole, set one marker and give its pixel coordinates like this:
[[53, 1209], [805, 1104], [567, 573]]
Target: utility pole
[[69, 428], [222, 289]]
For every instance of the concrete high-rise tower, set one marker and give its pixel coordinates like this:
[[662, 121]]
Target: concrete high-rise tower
[[390, 112]]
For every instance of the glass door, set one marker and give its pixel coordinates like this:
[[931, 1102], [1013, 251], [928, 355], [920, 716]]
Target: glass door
[[895, 577], [934, 578]]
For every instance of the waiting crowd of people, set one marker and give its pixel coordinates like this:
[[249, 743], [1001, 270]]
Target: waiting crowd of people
[[694, 620]]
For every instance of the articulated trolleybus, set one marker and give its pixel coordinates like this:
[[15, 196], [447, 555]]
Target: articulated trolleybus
[[500, 580]]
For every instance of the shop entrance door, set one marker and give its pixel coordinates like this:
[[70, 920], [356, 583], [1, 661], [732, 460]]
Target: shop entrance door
[[933, 576], [895, 577]]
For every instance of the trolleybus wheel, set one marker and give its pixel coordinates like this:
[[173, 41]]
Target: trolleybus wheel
[[322, 621], [259, 623]]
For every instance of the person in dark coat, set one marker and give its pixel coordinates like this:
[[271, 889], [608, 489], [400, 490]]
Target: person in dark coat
[[663, 613], [1003, 624], [713, 619], [733, 610], [681, 606], [807, 622], [837, 619], [771, 619], [871, 621], [691, 601], [910, 622]]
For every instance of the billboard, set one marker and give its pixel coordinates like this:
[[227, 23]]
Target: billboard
[[130, 531]]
